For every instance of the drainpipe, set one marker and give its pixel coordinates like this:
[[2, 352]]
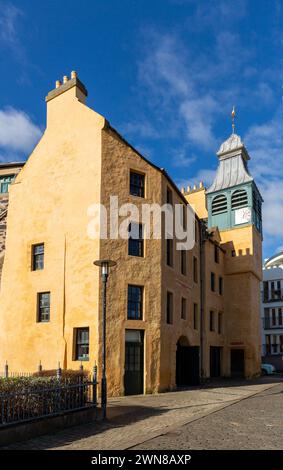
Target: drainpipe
[[203, 238]]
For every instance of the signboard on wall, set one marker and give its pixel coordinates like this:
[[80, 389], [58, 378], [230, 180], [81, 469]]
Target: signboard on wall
[[243, 215]]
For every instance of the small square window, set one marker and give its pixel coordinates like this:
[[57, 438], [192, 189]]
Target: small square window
[[137, 184], [38, 257], [43, 307], [81, 344], [169, 196]]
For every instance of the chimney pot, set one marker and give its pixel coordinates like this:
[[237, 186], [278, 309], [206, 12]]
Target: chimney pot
[[189, 189], [195, 186], [58, 83], [201, 184], [183, 190], [65, 79], [74, 74]]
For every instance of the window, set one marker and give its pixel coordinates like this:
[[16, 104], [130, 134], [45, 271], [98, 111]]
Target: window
[[135, 302], [211, 320], [43, 307], [38, 257], [195, 268], [135, 244], [216, 254], [183, 255], [267, 344], [136, 184], [219, 204], [169, 196], [239, 199], [184, 308], [220, 323], [280, 316], [212, 282], [274, 344], [220, 286], [81, 344], [273, 317], [5, 182], [281, 343], [169, 308], [195, 319], [169, 252]]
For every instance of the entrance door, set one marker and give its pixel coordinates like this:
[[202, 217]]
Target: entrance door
[[215, 361], [134, 360], [237, 362], [187, 365]]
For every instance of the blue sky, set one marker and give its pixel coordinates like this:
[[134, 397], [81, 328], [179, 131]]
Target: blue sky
[[165, 73]]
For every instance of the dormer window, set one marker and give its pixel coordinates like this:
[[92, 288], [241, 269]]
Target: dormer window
[[239, 199], [219, 204]]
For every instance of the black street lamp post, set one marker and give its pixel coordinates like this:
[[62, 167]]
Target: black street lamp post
[[104, 264]]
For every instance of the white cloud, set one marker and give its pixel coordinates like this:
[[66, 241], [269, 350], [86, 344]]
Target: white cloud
[[9, 15], [18, 134]]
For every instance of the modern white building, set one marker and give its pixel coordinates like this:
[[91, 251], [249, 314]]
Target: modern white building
[[272, 311]]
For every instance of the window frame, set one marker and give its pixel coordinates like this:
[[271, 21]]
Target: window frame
[[39, 307], [136, 242], [212, 281], [195, 316], [139, 190], [183, 308], [169, 308], [35, 255], [139, 302], [76, 356]]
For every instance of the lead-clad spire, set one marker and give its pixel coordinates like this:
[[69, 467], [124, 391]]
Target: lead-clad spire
[[232, 169]]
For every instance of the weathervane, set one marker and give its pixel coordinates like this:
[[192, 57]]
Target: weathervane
[[233, 114]]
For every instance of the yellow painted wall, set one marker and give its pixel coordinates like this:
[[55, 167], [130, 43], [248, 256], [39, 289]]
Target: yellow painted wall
[[48, 203]]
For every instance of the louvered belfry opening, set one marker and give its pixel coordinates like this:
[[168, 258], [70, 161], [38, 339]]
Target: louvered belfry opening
[[219, 204], [239, 199]]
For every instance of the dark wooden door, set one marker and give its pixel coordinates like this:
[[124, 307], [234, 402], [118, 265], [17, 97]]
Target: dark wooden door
[[134, 367], [215, 361], [237, 362], [187, 365]]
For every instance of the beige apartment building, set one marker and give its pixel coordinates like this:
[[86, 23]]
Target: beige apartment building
[[174, 317]]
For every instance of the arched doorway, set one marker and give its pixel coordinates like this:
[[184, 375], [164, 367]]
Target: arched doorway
[[187, 363]]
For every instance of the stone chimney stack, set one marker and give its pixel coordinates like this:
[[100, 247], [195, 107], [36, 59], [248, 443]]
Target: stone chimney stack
[[71, 85]]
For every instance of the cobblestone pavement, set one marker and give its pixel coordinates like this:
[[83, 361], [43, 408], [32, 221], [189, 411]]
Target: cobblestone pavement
[[255, 423], [139, 420]]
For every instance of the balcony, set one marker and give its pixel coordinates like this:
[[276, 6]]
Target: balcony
[[269, 324], [272, 295]]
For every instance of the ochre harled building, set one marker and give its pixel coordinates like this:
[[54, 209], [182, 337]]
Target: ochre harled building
[[173, 317]]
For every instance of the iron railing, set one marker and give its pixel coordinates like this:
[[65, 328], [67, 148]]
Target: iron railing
[[26, 400]]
